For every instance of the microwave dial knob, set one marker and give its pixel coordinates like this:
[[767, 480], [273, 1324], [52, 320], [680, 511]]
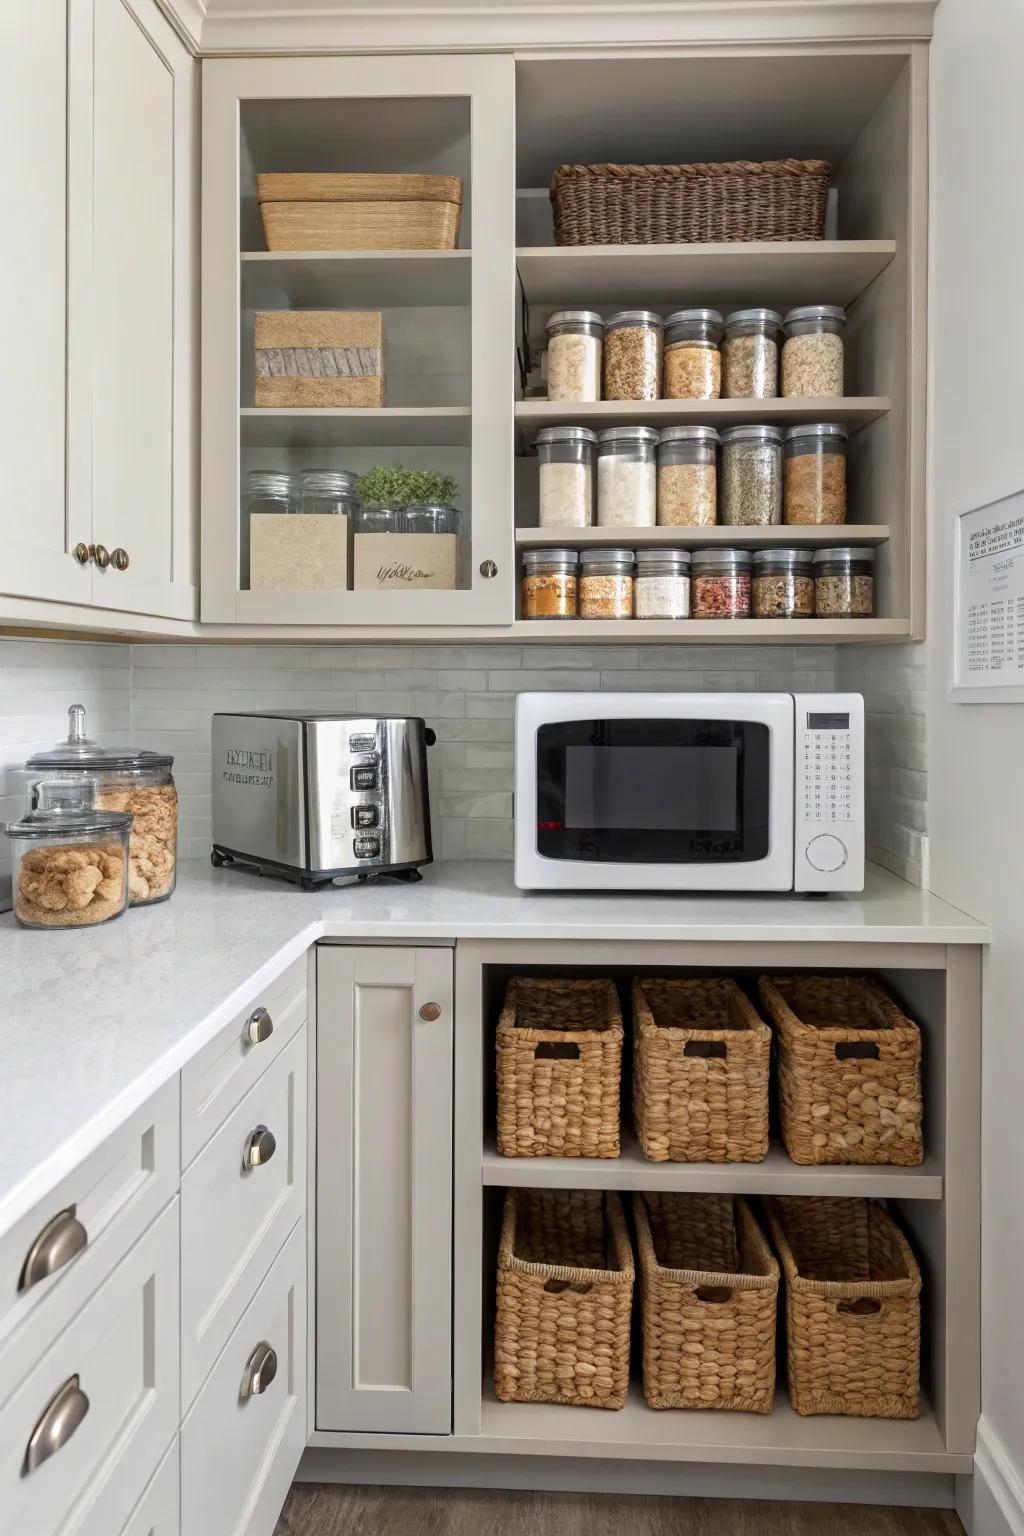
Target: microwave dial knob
[[826, 853]]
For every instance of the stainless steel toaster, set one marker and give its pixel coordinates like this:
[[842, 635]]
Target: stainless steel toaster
[[315, 796]]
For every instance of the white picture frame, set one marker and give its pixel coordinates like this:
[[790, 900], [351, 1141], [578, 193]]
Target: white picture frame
[[988, 600]]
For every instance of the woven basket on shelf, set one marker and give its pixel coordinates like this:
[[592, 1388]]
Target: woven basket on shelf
[[853, 1307], [708, 1291], [701, 1058], [565, 1297], [559, 1050], [343, 212], [849, 1068], [659, 204]]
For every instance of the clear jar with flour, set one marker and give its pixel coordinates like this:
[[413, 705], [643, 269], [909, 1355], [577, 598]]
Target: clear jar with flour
[[566, 477]]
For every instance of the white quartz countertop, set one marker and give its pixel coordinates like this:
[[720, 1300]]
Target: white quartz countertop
[[93, 1021]]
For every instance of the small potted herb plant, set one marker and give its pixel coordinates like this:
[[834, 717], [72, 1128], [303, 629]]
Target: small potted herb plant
[[389, 485], [413, 509]]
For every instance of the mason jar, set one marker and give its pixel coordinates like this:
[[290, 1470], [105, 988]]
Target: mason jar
[[549, 585], [575, 344], [565, 476], [720, 584], [815, 474], [334, 492], [270, 490], [783, 584], [69, 860], [688, 477], [693, 363], [750, 354], [844, 583], [606, 584], [633, 355], [627, 477], [752, 476], [812, 353], [423, 518], [661, 589]]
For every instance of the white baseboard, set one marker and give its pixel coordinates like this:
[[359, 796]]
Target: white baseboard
[[992, 1502]]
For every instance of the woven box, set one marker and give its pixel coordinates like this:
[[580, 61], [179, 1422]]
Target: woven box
[[701, 1063], [559, 1045], [360, 213], [564, 1301], [849, 1069], [297, 552], [709, 1288], [659, 204], [853, 1307], [320, 357]]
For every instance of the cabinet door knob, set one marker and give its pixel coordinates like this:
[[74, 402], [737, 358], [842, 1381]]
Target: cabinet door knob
[[429, 1012], [119, 559], [488, 569], [101, 555], [56, 1245], [259, 1026], [260, 1370], [82, 553], [57, 1423], [259, 1148]]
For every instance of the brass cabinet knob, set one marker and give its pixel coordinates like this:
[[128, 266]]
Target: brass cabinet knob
[[101, 555], [259, 1026], [119, 559], [429, 1012], [56, 1245], [82, 553], [57, 1423], [259, 1148], [260, 1370]]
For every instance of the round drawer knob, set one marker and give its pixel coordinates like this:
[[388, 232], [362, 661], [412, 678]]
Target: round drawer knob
[[259, 1026], [429, 1012], [259, 1148], [260, 1370]]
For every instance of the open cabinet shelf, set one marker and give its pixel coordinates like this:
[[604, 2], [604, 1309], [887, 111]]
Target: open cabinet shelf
[[418, 426], [712, 631], [532, 415], [753, 537], [355, 279]]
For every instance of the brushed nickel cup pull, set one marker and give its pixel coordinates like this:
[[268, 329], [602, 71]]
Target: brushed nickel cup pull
[[101, 555], [82, 553], [57, 1423], [259, 1148], [260, 1370], [56, 1245], [429, 1012], [119, 559], [259, 1026]]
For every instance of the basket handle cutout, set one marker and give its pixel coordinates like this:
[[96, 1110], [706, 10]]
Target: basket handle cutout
[[713, 1293], [857, 1050], [556, 1287], [706, 1048], [556, 1050], [864, 1306]]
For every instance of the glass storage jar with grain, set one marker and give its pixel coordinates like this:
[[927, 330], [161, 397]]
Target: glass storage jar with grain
[[627, 477], [69, 860], [844, 583], [688, 477], [575, 344], [549, 586], [606, 584], [750, 354], [662, 586], [693, 363], [752, 476], [783, 584], [565, 476], [720, 584], [633, 355], [814, 474], [812, 353]]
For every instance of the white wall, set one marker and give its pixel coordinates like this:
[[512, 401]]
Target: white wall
[[976, 752]]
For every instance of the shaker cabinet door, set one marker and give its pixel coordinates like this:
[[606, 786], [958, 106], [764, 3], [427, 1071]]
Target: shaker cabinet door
[[384, 1180]]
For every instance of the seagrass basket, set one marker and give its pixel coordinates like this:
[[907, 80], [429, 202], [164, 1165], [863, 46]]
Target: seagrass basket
[[565, 1297], [853, 1307], [701, 1062], [669, 204], [559, 1049], [346, 212], [709, 1288], [849, 1071]]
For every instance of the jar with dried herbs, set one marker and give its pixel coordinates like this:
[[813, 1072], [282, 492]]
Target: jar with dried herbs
[[549, 586], [815, 474], [627, 477], [693, 363], [812, 353], [606, 584], [783, 584], [844, 583], [565, 476], [752, 476], [633, 355], [720, 584], [662, 586], [575, 344], [750, 354], [688, 477]]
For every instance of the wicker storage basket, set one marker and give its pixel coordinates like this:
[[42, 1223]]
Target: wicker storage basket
[[565, 1297], [849, 1071], [853, 1308], [709, 1286], [701, 1059], [659, 204], [559, 1065], [360, 213]]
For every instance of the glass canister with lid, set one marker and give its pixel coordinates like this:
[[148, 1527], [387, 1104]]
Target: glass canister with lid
[[815, 474], [549, 585], [565, 476], [812, 353], [627, 477], [783, 584], [720, 584], [606, 584], [129, 781], [662, 586], [844, 583], [329, 491], [752, 476], [69, 859], [575, 345], [633, 344], [688, 477], [693, 363], [271, 490], [750, 354]]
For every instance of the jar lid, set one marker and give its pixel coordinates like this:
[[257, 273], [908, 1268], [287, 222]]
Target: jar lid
[[78, 751], [689, 435], [575, 317], [754, 317], [270, 482], [550, 556], [566, 435], [798, 558], [817, 429], [330, 482], [722, 557], [606, 557], [649, 559], [633, 317], [65, 808], [817, 312], [844, 556], [752, 432], [628, 435], [694, 316]]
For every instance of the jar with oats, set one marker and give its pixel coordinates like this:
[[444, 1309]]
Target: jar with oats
[[812, 353], [783, 584], [575, 344], [633, 355], [814, 474], [606, 584], [627, 477], [720, 584], [693, 363], [752, 476], [565, 476], [688, 477], [549, 585], [750, 354], [844, 583]]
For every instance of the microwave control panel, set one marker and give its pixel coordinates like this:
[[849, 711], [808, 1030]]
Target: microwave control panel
[[829, 792]]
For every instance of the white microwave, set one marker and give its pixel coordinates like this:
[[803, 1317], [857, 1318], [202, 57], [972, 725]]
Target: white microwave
[[689, 791]]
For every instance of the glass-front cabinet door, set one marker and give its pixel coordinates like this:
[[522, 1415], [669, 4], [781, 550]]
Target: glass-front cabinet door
[[358, 281]]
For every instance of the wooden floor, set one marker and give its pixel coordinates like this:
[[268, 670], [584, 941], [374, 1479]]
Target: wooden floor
[[313, 1510]]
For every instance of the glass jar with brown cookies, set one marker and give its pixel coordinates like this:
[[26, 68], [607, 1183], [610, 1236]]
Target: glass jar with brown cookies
[[69, 860]]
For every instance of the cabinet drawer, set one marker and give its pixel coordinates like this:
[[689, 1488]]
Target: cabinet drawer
[[116, 1367], [222, 1073], [239, 1451], [234, 1218], [81, 1231], [158, 1512]]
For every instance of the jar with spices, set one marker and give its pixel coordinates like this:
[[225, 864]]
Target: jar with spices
[[844, 583], [752, 476], [566, 476], [720, 585], [662, 586], [693, 363], [633, 355], [575, 344], [812, 353], [69, 859], [627, 477], [331, 491], [606, 584], [783, 584], [750, 354], [815, 474], [549, 584], [688, 477]]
